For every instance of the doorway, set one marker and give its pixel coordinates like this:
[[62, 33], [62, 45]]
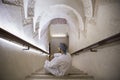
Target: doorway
[[58, 34]]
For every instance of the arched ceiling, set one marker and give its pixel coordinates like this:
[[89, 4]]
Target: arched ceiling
[[41, 12], [37, 15], [61, 11]]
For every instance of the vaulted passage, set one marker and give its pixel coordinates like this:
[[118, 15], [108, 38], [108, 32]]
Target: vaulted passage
[[31, 31]]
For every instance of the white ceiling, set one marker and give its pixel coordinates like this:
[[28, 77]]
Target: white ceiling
[[40, 13], [59, 29]]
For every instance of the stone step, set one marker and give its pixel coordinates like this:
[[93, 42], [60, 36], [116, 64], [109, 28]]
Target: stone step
[[72, 70], [71, 73], [63, 77], [59, 79], [75, 74]]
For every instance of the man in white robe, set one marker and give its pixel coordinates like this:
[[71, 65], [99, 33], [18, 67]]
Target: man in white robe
[[60, 64]]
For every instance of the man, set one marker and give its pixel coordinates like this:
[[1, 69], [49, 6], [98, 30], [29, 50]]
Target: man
[[60, 64]]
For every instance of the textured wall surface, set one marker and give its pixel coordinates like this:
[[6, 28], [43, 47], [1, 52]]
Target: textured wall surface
[[106, 23], [11, 20], [104, 64], [15, 63]]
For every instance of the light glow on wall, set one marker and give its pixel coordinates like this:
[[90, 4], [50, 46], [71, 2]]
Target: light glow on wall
[[58, 35], [11, 43], [21, 46]]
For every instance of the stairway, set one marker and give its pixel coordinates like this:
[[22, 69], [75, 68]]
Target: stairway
[[75, 74]]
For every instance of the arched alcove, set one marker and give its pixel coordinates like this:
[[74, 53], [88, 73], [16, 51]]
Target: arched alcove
[[58, 33], [73, 18]]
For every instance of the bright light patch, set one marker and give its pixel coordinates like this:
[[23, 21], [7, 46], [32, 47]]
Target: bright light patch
[[11, 43], [58, 35], [44, 54]]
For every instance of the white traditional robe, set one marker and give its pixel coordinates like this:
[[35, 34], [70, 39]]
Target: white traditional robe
[[59, 65]]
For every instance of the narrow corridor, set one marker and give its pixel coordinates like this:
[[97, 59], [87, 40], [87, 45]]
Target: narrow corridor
[[31, 30]]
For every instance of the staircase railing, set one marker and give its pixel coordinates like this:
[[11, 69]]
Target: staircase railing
[[8, 36], [108, 40]]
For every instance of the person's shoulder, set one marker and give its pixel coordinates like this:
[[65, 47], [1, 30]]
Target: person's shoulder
[[57, 54]]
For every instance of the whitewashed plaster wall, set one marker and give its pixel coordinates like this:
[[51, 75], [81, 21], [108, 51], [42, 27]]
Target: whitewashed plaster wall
[[43, 5], [11, 20], [106, 24], [104, 64], [59, 29], [16, 64]]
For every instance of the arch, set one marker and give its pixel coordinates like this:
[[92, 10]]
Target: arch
[[29, 8], [59, 21], [61, 11]]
